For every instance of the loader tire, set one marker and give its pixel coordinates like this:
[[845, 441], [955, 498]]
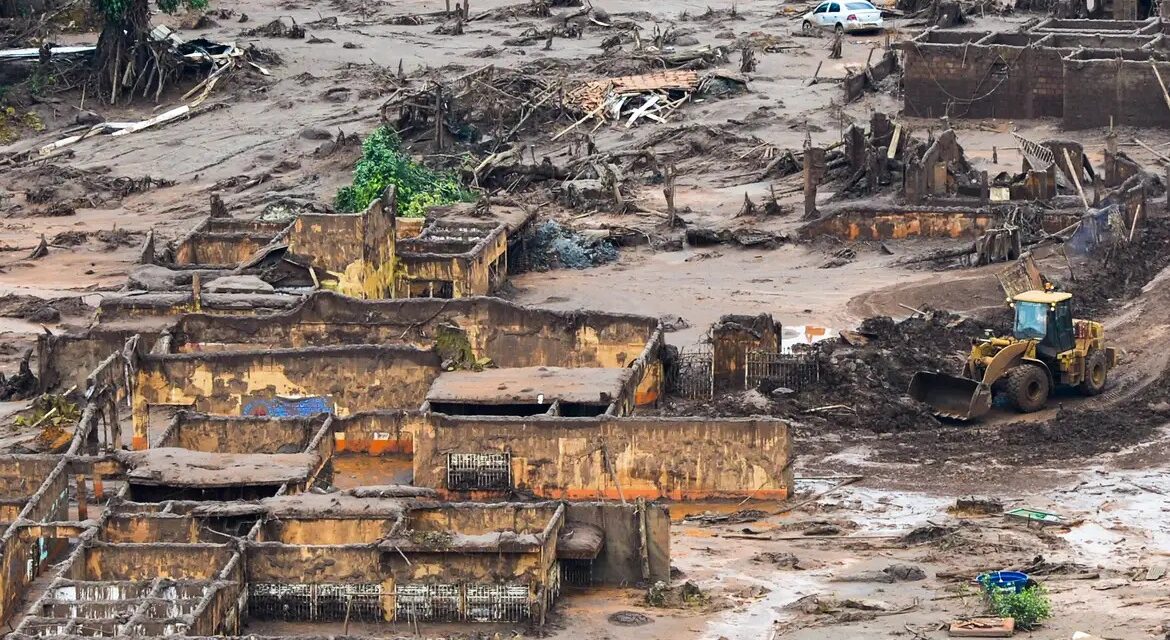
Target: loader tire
[[1096, 371], [1027, 386]]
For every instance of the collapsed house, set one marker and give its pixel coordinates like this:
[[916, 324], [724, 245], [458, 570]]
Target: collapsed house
[[1042, 72], [928, 188], [372, 254], [463, 460]]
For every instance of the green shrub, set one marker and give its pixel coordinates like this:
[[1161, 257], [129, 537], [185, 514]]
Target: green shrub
[[1028, 607], [383, 163]]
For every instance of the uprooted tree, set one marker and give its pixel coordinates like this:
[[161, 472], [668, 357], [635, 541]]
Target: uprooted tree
[[127, 59]]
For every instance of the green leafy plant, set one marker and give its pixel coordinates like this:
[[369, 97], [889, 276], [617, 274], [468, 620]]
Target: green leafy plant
[[1028, 607], [383, 163], [50, 409]]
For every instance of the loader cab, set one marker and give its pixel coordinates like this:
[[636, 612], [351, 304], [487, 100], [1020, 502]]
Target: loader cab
[[1045, 316]]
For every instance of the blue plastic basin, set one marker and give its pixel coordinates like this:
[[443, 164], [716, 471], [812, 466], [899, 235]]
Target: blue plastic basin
[[1014, 580]]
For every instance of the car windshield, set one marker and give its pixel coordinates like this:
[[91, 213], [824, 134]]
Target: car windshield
[[1031, 320], [858, 6]]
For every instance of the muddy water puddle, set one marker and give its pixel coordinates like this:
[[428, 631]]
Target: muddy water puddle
[[1124, 514], [681, 511], [875, 511]]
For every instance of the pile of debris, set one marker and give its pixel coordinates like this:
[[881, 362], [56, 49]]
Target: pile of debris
[[864, 375], [57, 190], [652, 96], [485, 108], [1124, 273], [43, 310], [553, 245], [213, 61]]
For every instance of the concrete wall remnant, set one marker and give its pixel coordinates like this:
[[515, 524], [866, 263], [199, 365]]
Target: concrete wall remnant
[[1043, 72], [613, 458], [351, 377], [732, 338]]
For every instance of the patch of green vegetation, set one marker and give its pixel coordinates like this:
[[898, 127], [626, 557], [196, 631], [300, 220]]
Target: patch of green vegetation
[[13, 121], [430, 539], [454, 349], [384, 163], [50, 409], [1028, 607]]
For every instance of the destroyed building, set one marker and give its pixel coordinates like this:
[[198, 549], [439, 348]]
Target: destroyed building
[[928, 188], [228, 474], [1042, 72], [371, 255]]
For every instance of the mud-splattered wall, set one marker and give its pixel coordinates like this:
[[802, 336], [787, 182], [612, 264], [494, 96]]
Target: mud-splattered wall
[[469, 272], [229, 248], [358, 250], [130, 561], [339, 380], [250, 434], [869, 223], [511, 335], [508, 334], [65, 360], [671, 458], [225, 241], [620, 560], [731, 340]]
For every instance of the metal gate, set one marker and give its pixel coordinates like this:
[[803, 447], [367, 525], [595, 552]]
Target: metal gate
[[315, 602], [789, 370], [696, 372], [479, 471]]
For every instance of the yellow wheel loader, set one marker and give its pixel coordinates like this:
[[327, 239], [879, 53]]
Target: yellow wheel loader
[[1048, 347]]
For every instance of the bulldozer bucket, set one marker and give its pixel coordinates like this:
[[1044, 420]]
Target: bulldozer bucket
[[951, 396]]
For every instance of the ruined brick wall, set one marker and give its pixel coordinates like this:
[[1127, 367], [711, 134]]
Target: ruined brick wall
[[38, 482], [732, 338], [671, 458], [154, 311], [277, 563], [21, 475], [1119, 167], [134, 527], [855, 84], [482, 518], [220, 434], [620, 560], [65, 360], [982, 81], [376, 434], [343, 379], [326, 530], [1108, 86], [511, 335], [469, 273], [406, 228], [132, 561], [221, 248], [853, 222], [379, 268], [328, 241], [359, 249]]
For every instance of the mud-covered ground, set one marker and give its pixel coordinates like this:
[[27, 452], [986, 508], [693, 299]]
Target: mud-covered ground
[[289, 139]]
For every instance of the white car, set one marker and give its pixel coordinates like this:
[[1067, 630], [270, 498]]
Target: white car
[[842, 16]]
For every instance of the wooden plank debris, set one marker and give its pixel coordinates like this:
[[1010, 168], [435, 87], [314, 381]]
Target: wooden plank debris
[[982, 628], [651, 96]]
